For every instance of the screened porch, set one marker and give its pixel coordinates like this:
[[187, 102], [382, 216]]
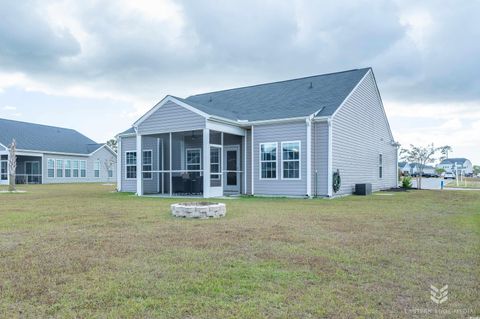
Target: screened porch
[[29, 169], [197, 163]]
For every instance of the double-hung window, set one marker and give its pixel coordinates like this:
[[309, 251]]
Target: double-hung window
[[83, 168], [147, 164], [59, 168], [96, 169], [51, 168], [110, 172], [291, 160], [268, 160], [68, 168], [380, 166], [194, 159], [131, 165], [75, 168]]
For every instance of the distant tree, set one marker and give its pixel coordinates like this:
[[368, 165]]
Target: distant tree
[[12, 166], [445, 150], [109, 163], [423, 156], [112, 143], [439, 170], [476, 169]]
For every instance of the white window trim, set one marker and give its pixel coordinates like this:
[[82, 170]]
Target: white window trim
[[260, 161], [54, 168], [380, 165], [99, 168], [299, 161], [63, 168], [151, 174], [80, 169], [76, 169], [69, 169], [127, 165], [186, 157]]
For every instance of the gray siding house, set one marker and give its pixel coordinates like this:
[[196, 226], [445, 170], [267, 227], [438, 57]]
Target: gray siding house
[[47, 154], [284, 138]]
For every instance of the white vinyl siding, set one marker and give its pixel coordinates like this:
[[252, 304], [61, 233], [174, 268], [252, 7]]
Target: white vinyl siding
[[268, 160], [360, 133], [171, 118], [281, 132], [291, 161], [76, 169]]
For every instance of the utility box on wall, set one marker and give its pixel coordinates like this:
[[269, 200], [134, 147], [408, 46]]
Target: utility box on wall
[[363, 189]]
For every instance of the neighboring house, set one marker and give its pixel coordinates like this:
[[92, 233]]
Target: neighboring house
[[284, 138], [404, 168], [47, 154], [461, 165], [427, 169]]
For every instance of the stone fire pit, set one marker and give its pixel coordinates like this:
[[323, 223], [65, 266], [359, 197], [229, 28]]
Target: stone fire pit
[[199, 210]]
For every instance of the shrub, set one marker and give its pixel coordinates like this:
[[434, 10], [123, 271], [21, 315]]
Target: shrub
[[407, 182]]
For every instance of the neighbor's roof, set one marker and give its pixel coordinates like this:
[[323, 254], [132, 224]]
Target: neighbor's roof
[[402, 164], [414, 165], [279, 100], [36, 137], [454, 160]]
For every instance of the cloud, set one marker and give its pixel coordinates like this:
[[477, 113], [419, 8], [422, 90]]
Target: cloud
[[424, 55], [9, 108]]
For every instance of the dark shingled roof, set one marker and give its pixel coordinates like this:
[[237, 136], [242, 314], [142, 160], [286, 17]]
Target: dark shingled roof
[[129, 131], [36, 137], [284, 99], [279, 100]]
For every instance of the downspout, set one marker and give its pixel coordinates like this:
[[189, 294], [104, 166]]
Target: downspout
[[314, 158], [309, 156], [330, 159], [252, 157], [119, 164]]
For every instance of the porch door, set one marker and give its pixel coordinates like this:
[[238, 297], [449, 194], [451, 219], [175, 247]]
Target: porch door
[[232, 168], [3, 169], [216, 189], [32, 170]]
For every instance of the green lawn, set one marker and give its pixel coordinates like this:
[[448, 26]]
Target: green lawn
[[467, 183], [85, 251]]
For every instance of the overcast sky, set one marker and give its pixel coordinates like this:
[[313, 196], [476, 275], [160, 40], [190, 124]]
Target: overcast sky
[[96, 66]]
